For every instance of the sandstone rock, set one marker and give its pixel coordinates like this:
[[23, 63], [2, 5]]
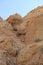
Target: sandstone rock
[[35, 29], [10, 44], [6, 59], [27, 26], [1, 19], [2, 58], [35, 12], [18, 28], [31, 55], [15, 21], [5, 25], [21, 39], [33, 21]]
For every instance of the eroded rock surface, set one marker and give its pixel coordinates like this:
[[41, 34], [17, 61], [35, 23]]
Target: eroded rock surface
[[35, 29], [31, 54], [10, 44], [21, 39]]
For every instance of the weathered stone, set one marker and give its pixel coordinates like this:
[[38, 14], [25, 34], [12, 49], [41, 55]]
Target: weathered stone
[[35, 29], [31, 54], [10, 44], [2, 58], [21, 39], [15, 21]]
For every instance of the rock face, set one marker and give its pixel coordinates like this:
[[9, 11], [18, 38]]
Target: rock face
[[21, 39], [35, 12], [34, 25], [10, 44], [31, 54], [15, 21], [35, 29]]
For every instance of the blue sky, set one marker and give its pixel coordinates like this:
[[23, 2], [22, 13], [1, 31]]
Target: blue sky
[[8, 7]]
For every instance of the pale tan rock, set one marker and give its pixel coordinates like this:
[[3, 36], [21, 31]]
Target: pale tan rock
[[21, 39], [31, 55], [2, 58], [35, 12], [33, 25], [35, 29], [10, 44], [18, 28], [15, 20]]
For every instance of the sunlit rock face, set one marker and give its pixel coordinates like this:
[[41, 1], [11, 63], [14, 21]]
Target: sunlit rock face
[[18, 28], [35, 29], [15, 20], [10, 44], [34, 25], [21, 39]]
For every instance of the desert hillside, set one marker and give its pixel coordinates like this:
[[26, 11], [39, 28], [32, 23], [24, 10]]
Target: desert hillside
[[21, 39]]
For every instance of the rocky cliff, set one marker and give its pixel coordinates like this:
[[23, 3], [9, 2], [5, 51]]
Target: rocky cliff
[[21, 39]]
